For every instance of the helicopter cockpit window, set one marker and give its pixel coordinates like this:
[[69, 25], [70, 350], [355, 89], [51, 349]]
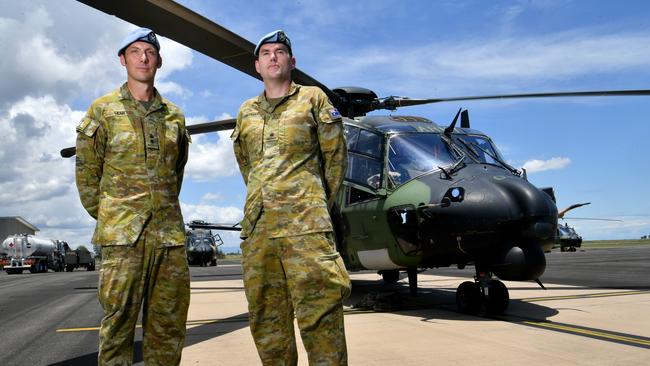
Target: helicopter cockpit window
[[483, 147], [351, 136], [364, 159], [197, 241], [411, 155]]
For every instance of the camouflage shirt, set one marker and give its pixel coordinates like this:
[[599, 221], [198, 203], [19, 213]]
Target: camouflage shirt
[[292, 158], [129, 168]]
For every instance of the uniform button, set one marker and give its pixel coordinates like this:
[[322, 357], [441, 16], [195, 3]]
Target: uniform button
[[272, 134]]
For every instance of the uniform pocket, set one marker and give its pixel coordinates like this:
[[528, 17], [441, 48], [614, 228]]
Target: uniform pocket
[[123, 137], [297, 132], [339, 273], [250, 136], [334, 265]]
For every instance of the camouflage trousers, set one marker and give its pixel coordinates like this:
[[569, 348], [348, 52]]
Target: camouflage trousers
[[301, 274], [156, 279]]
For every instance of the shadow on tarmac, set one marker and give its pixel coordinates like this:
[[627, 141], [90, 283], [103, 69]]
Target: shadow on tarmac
[[429, 304]]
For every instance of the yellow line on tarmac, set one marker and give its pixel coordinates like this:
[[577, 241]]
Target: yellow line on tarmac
[[189, 322], [585, 296], [589, 332]]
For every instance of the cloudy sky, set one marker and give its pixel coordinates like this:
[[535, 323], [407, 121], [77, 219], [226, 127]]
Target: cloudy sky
[[60, 55]]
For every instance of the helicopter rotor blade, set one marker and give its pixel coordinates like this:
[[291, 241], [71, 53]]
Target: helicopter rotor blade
[[224, 124], [221, 125], [395, 102], [564, 211], [590, 219], [174, 21]]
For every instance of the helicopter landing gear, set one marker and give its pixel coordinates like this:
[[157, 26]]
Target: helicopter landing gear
[[413, 280], [390, 276], [468, 297], [484, 291]]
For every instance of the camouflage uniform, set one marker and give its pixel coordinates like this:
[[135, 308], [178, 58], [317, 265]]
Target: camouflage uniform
[[129, 171], [292, 157]]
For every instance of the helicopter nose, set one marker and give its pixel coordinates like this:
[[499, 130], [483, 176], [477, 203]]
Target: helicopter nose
[[483, 216]]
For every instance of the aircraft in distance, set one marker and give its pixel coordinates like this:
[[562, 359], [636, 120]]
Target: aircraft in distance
[[417, 194], [202, 245], [567, 239]]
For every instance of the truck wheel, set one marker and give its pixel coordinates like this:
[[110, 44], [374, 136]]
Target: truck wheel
[[69, 268]]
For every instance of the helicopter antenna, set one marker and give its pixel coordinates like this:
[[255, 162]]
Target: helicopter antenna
[[451, 127], [464, 119]]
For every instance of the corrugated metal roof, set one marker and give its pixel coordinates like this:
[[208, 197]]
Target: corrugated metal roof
[[21, 220]]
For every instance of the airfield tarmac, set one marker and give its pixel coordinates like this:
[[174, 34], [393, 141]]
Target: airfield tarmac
[[594, 312], [563, 325]]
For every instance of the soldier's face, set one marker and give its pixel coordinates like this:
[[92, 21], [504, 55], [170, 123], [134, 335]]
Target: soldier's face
[[141, 60], [275, 62]]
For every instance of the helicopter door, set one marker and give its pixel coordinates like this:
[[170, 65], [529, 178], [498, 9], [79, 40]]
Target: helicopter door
[[364, 158]]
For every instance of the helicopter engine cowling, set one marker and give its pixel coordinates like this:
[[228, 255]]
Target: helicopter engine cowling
[[483, 216]]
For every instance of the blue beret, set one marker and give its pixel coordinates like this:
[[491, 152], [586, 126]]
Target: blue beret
[[277, 36], [140, 34]]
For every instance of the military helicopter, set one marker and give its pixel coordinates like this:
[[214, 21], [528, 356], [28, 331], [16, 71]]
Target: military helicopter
[[201, 245], [417, 194], [567, 238]]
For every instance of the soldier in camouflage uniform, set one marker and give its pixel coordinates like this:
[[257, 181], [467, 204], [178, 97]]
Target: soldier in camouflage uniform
[[290, 147], [132, 147]]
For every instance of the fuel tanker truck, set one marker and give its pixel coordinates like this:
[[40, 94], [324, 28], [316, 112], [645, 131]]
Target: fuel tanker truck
[[21, 252]]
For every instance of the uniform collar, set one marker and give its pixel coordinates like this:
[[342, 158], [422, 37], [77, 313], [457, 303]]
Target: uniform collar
[[125, 94], [263, 103]]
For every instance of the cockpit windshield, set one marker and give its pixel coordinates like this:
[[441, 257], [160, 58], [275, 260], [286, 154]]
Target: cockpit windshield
[[411, 155], [197, 241], [481, 148]]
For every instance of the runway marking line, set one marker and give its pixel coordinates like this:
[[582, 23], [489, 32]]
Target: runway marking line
[[585, 296], [627, 339]]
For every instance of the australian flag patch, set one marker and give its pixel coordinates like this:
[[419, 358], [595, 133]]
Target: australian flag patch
[[335, 113]]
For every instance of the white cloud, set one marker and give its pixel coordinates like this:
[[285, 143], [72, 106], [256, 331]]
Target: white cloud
[[211, 197], [533, 166], [48, 64], [211, 213], [35, 182], [210, 160], [506, 64]]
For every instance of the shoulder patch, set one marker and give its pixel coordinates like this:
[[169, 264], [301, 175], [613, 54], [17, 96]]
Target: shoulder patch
[[88, 127], [334, 113]]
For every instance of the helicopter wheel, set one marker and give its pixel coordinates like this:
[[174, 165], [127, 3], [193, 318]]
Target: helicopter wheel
[[496, 297], [469, 297], [390, 277]]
